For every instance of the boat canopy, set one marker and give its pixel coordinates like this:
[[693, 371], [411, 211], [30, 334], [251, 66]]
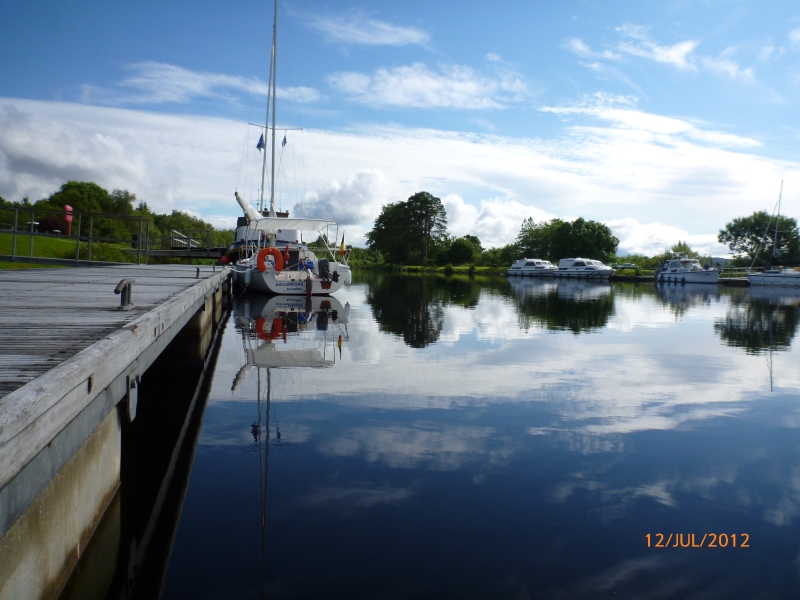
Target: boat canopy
[[273, 224]]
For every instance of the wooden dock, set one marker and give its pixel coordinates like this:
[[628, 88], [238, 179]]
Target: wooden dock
[[49, 315], [70, 364]]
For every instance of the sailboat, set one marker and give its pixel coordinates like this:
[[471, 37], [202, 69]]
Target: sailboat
[[776, 276], [270, 256]]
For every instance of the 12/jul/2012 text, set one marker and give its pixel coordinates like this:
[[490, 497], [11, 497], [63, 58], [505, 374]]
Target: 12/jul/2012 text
[[689, 540]]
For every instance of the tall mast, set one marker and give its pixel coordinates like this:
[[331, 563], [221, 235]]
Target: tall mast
[[274, 71], [778, 218], [266, 119]]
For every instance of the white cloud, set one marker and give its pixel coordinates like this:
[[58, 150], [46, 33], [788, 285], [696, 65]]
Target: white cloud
[[349, 203], [158, 83], [415, 85], [794, 37], [652, 238], [493, 57], [677, 55], [356, 28], [619, 162], [496, 222], [580, 48], [621, 111], [725, 65]]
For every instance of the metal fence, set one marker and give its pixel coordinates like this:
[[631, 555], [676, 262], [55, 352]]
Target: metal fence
[[82, 229]]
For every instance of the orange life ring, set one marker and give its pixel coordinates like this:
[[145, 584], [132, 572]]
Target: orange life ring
[[262, 255], [274, 333]]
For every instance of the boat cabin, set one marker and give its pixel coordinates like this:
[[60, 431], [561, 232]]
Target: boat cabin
[[682, 265], [532, 262], [566, 263]]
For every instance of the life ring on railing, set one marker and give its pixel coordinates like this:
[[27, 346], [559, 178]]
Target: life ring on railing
[[262, 256]]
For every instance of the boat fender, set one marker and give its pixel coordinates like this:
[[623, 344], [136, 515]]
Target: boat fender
[[262, 255], [683, 280], [348, 277], [335, 276], [247, 276], [286, 255]]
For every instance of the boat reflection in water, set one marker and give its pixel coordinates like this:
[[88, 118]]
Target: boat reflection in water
[[283, 332], [572, 305], [681, 298]]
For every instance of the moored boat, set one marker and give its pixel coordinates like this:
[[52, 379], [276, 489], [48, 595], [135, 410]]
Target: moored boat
[[582, 268], [282, 264], [268, 255], [682, 269], [777, 276], [531, 267]]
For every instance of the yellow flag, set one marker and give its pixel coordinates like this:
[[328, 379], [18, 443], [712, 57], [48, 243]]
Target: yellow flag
[[341, 248]]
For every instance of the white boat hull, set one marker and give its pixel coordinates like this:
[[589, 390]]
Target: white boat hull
[[710, 276], [290, 282], [783, 279], [530, 272]]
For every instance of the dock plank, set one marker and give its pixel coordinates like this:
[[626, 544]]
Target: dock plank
[[49, 315]]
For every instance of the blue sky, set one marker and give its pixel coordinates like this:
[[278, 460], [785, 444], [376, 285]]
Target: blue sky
[[663, 120]]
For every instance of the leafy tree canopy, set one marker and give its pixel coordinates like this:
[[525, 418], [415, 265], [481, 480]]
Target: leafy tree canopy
[[753, 237], [407, 231], [556, 239]]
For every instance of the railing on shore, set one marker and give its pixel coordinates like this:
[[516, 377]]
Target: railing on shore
[[22, 222]]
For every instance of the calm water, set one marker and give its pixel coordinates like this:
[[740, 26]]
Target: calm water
[[486, 438]]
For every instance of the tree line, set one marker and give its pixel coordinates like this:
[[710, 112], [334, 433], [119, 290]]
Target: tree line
[[88, 197], [414, 232]]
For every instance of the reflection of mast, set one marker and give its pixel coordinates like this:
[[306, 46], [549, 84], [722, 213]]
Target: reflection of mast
[[263, 460], [769, 356]]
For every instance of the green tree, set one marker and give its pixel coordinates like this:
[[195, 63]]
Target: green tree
[[680, 248], [408, 231], [388, 235], [461, 251], [753, 237], [427, 221], [556, 239]]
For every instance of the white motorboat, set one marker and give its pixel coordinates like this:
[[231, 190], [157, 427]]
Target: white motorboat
[[776, 277], [582, 268], [682, 269], [531, 267], [268, 254], [783, 277]]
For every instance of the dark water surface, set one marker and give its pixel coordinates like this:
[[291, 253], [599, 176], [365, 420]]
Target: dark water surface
[[494, 439]]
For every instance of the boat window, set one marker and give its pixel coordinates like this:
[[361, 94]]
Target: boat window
[[687, 263], [579, 264], [530, 264]]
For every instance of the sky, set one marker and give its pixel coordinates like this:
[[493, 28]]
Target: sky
[[663, 120]]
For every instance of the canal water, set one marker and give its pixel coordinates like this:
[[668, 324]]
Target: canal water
[[431, 437]]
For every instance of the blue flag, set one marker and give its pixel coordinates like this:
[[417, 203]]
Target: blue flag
[[261, 143], [283, 143]]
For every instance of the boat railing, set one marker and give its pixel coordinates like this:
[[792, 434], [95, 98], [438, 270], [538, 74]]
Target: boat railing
[[739, 272]]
